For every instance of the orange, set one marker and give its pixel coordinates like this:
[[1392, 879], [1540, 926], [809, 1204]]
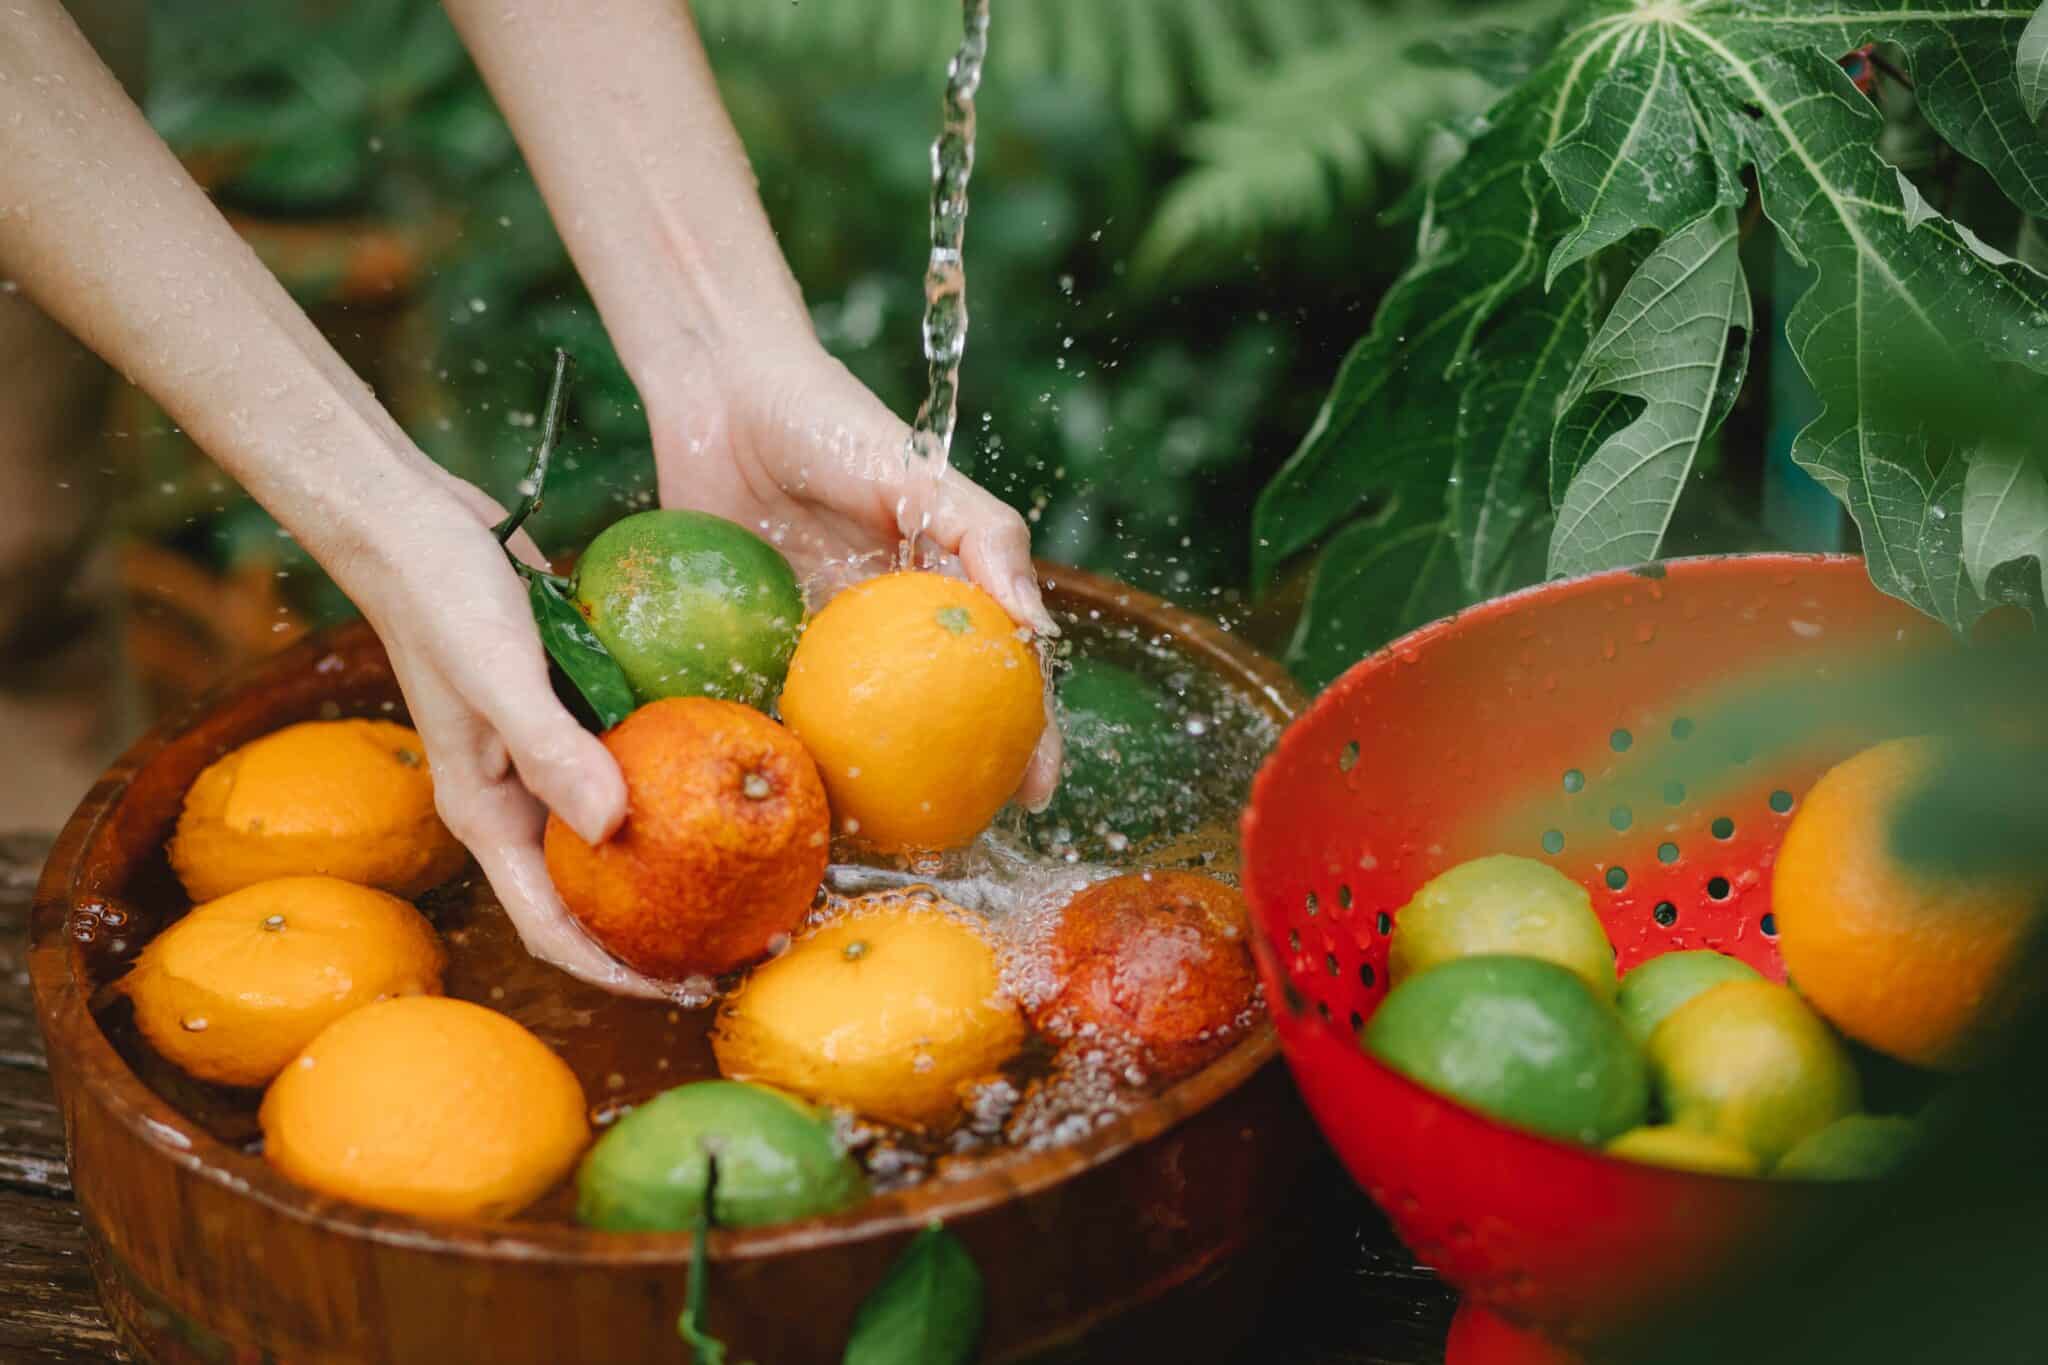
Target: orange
[[236, 988], [1159, 959], [921, 701], [426, 1105], [340, 798], [1914, 965], [725, 840], [888, 1010]]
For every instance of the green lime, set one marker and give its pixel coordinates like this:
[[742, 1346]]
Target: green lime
[[1503, 904], [1659, 986], [691, 605], [1128, 761], [778, 1159], [1686, 1150], [1859, 1147], [1519, 1038], [1749, 1061]]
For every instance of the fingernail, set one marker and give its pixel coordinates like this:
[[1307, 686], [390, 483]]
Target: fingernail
[[1024, 590]]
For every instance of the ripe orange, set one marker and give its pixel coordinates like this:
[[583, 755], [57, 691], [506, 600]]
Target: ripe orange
[[725, 840], [1913, 965], [236, 988], [922, 702], [342, 798], [426, 1105], [1159, 959]]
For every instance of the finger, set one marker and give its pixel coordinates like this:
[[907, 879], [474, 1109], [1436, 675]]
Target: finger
[[488, 510], [1042, 774], [512, 860], [994, 546]]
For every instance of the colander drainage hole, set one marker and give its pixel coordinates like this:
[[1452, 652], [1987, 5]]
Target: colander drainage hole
[[1718, 888], [1357, 1022], [1553, 841], [1621, 817], [1348, 758], [1383, 923], [1294, 940], [1674, 793], [1574, 781], [1667, 853], [1330, 962], [1723, 827], [1666, 914], [1781, 801], [1344, 895], [1617, 878], [1365, 976], [1323, 1009], [1312, 904], [1621, 740], [1769, 924], [1681, 728]]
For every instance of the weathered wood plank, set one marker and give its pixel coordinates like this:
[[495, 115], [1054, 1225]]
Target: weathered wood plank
[[50, 1316]]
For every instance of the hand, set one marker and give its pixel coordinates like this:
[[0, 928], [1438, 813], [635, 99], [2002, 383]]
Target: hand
[[790, 445], [454, 619]]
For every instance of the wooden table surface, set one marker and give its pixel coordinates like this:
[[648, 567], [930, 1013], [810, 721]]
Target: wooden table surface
[[1357, 1298]]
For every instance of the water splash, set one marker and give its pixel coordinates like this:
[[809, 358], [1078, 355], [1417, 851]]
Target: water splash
[[945, 285]]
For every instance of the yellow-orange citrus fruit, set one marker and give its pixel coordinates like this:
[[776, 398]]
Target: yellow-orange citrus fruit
[[338, 798], [921, 701], [236, 988], [1161, 959], [726, 838], [426, 1105], [1913, 964], [888, 1010]]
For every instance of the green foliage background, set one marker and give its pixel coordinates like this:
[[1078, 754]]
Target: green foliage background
[[1172, 238]]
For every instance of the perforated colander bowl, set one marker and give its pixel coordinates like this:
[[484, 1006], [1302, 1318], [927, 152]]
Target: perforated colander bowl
[[1584, 723]]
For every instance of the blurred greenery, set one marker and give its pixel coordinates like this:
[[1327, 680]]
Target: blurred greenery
[[1172, 237]]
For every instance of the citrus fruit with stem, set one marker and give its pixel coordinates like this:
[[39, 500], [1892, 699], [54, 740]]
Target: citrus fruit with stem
[[1748, 1061], [1652, 989], [1520, 1038], [888, 1010], [426, 1105], [234, 989], [352, 799], [724, 843], [1916, 965], [922, 702], [1160, 960], [778, 1160], [691, 605], [1502, 904]]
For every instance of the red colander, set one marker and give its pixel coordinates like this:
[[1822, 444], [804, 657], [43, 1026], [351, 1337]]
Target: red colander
[[1582, 723]]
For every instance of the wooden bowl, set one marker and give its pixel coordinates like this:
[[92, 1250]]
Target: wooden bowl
[[203, 1253]]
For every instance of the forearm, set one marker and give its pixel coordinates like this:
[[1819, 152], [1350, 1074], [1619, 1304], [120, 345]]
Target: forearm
[[615, 106], [110, 236]]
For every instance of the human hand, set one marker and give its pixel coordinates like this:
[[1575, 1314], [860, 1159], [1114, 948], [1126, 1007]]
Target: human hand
[[454, 619], [789, 444]]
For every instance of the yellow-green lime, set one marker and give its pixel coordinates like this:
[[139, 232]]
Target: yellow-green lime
[[1859, 1147], [1655, 988], [691, 605], [1519, 1038], [778, 1159], [1685, 1149], [1750, 1062], [1502, 904]]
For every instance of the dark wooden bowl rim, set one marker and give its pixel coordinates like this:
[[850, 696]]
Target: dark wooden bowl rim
[[75, 1037]]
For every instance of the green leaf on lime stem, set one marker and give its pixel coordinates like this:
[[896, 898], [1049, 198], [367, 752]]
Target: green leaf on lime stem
[[705, 1349], [926, 1312], [575, 649]]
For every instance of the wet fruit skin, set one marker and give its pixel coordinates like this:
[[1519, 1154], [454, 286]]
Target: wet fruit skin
[[1502, 904], [778, 1160], [1519, 1038], [1750, 1062], [1651, 991], [1161, 959], [887, 1010], [1916, 966], [691, 605], [1686, 1150], [236, 988], [922, 704], [724, 844], [352, 799], [426, 1105], [1129, 766], [1858, 1147]]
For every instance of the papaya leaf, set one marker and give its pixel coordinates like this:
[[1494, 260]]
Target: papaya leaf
[[2005, 516], [1665, 345], [1371, 583], [575, 650], [2031, 63], [926, 1311]]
